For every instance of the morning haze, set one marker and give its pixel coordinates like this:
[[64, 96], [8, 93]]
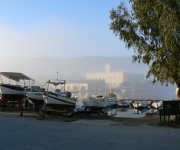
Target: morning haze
[[73, 38], [44, 68], [74, 69]]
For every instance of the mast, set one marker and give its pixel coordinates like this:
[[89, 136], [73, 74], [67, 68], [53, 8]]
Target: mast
[[57, 75]]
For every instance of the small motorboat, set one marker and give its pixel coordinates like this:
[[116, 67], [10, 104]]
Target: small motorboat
[[36, 96], [156, 104], [95, 102], [58, 100], [140, 104], [112, 102]]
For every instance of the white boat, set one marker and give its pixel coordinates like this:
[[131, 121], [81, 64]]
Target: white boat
[[95, 102], [140, 104], [156, 104], [58, 99], [14, 93], [36, 96]]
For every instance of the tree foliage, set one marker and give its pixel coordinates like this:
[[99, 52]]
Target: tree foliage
[[152, 29]]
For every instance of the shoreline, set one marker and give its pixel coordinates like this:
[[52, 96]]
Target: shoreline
[[150, 119]]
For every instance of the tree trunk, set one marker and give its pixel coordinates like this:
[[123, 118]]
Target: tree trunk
[[177, 92]]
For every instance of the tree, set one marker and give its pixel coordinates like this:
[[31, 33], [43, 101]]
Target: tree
[[152, 30]]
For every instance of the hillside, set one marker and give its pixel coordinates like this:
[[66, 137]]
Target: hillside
[[43, 68]]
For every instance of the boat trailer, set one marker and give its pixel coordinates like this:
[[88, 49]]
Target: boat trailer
[[47, 109]]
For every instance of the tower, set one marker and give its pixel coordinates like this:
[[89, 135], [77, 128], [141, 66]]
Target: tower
[[107, 68]]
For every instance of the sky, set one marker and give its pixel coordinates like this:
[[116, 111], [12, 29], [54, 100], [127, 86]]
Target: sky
[[59, 28]]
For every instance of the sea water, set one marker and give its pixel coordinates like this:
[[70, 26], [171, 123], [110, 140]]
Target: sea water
[[133, 112], [126, 112]]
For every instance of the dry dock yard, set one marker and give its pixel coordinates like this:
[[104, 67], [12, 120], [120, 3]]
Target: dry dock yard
[[84, 131], [151, 119]]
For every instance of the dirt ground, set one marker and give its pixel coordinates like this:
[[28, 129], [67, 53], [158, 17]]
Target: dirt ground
[[151, 119], [84, 131]]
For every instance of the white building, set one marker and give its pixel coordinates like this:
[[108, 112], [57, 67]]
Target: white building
[[114, 79]]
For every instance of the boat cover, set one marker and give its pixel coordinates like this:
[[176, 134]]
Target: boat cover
[[16, 76], [55, 83]]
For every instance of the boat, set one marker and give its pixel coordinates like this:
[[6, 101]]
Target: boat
[[112, 102], [111, 98], [140, 104], [123, 103], [60, 99], [156, 104], [14, 92], [95, 102], [35, 95], [99, 102]]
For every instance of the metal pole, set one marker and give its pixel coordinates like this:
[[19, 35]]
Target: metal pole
[[64, 86], [1, 79]]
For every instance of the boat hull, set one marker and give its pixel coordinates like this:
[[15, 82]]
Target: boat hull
[[156, 104], [94, 104], [11, 93], [36, 98], [140, 104], [55, 100]]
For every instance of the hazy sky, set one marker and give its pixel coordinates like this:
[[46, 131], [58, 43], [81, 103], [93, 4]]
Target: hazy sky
[[58, 28]]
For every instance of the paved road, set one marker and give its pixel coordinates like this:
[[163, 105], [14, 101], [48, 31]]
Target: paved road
[[20, 133]]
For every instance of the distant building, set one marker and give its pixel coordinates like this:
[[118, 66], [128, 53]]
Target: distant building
[[114, 79], [84, 85], [80, 85], [101, 81]]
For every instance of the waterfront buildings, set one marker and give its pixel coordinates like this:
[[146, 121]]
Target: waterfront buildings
[[99, 81], [114, 79]]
